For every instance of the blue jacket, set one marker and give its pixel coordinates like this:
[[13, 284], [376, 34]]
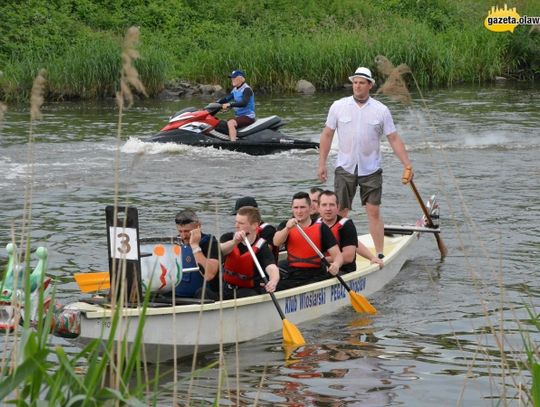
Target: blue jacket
[[244, 101]]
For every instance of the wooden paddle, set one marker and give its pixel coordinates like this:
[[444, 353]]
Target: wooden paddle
[[290, 332], [89, 282], [440, 243], [358, 301]]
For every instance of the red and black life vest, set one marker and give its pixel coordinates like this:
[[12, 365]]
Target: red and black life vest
[[336, 227], [299, 252], [239, 269], [261, 227]]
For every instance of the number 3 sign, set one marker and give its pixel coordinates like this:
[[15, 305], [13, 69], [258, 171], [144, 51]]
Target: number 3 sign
[[123, 243]]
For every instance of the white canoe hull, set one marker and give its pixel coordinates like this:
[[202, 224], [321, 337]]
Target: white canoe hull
[[174, 331]]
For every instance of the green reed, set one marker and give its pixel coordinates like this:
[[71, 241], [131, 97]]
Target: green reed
[[327, 59], [87, 70], [34, 372], [532, 351], [444, 43]]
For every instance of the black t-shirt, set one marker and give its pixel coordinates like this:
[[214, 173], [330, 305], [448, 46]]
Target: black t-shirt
[[268, 233], [348, 237], [210, 248]]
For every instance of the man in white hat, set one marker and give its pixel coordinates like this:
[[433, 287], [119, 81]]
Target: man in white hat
[[361, 122]]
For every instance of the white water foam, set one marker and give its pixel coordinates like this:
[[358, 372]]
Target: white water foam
[[136, 146], [487, 140]]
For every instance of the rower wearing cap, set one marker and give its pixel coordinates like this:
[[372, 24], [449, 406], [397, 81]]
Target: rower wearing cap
[[242, 100]]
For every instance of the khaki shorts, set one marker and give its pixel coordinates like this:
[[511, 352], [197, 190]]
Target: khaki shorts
[[345, 187]]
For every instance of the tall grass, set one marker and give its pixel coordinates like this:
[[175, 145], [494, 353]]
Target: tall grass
[[276, 43], [87, 70], [277, 62]]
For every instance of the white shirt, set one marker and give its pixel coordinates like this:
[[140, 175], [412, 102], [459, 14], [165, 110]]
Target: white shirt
[[360, 130]]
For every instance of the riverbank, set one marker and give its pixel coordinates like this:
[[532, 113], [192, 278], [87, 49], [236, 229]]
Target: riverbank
[[277, 44]]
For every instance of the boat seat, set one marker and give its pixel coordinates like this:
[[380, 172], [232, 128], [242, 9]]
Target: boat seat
[[259, 125]]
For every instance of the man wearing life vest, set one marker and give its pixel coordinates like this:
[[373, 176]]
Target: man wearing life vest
[[314, 193], [240, 274], [344, 231], [242, 100], [303, 265], [265, 230], [198, 249]]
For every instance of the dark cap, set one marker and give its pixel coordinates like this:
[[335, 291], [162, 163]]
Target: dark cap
[[237, 73], [186, 217], [245, 201]]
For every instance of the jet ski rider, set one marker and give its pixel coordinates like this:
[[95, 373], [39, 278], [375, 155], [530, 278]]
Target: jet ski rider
[[242, 100]]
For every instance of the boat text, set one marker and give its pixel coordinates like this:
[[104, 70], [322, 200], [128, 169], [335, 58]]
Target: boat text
[[319, 297], [312, 299], [338, 292], [305, 300], [106, 323]]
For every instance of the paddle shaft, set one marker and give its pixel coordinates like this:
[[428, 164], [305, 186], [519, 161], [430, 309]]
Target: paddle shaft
[[440, 243], [358, 301], [323, 259], [263, 276]]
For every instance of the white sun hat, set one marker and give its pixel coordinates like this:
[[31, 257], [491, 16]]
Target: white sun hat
[[363, 73]]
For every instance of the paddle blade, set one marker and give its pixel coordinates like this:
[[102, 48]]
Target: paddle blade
[[89, 282], [442, 246], [361, 304], [291, 334]]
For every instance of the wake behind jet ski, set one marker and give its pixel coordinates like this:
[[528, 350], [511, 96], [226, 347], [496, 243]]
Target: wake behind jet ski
[[202, 128]]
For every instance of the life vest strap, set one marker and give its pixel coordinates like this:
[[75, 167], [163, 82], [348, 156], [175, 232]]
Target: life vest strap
[[313, 260]]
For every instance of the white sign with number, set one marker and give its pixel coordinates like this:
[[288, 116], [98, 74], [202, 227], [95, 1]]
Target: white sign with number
[[124, 243]]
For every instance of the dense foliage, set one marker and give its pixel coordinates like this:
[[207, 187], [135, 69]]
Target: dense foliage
[[276, 41]]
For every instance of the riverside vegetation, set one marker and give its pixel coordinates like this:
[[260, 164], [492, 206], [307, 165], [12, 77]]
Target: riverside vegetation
[[36, 372], [277, 42]]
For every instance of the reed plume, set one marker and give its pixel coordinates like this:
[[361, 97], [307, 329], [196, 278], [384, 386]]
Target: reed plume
[[36, 101], [3, 107], [37, 95], [395, 85], [3, 110], [129, 74]]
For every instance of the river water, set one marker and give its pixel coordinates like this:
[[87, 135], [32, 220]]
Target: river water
[[447, 332]]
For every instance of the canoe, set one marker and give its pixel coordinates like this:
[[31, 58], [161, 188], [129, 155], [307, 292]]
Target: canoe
[[175, 331]]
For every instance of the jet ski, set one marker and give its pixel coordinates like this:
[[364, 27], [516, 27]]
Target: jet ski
[[201, 128]]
